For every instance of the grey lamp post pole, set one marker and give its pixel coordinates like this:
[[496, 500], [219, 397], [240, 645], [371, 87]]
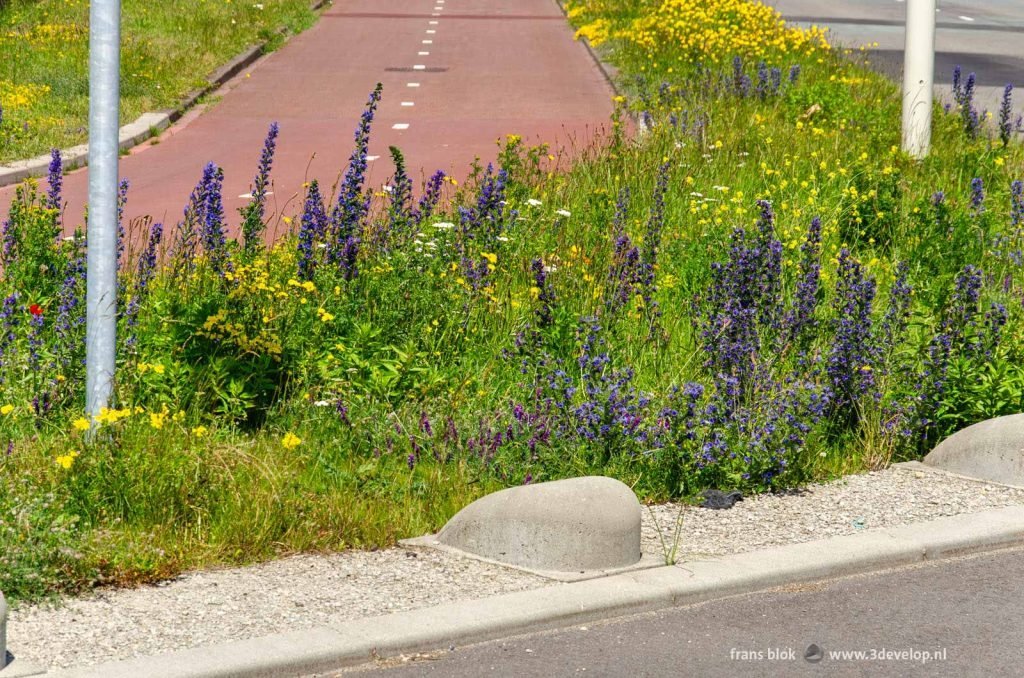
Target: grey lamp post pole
[[918, 72], [101, 277]]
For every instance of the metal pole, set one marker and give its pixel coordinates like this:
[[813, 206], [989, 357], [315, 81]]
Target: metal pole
[[101, 277], [918, 74]]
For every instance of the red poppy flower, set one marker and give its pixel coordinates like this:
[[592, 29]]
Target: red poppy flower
[[35, 309]]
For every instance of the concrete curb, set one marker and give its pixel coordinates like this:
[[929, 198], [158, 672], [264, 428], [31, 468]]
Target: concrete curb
[[147, 125], [355, 642], [609, 71]]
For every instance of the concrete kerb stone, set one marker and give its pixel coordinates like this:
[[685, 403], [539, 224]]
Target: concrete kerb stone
[[355, 642], [146, 125], [989, 450], [571, 529]]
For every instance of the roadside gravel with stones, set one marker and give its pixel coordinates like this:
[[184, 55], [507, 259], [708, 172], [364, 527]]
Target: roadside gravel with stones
[[895, 496], [293, 593]]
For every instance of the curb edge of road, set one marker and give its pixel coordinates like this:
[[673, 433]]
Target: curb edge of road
[[149, 124], [359, 641], [609, 71]]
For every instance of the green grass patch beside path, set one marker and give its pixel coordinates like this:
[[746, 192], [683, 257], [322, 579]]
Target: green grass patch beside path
[[167, 50]]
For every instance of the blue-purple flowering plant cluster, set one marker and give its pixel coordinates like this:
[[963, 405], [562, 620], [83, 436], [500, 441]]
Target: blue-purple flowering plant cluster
[[757, 291]]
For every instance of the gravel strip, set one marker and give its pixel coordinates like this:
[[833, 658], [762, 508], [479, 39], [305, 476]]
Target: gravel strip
[[203, 608], [303, 591], [895, 496]]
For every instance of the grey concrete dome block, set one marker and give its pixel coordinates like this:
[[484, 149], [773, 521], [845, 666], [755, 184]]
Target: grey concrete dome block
[[574, 525], [990, 450]]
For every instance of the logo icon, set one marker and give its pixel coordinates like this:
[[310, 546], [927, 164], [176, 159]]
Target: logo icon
[[813, 654]]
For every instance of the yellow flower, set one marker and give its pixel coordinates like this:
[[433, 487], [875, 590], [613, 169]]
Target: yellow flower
[[491, 257], [66, 460], [109, 416], [82, 424], [290, 441], [6, 409], [199, 431], [157, 419]]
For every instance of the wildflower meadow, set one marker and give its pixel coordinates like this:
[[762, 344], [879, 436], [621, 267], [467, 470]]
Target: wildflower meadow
[[750, 288]]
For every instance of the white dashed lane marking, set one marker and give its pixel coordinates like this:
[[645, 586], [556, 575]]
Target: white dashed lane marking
[[408, 103], [400, 125]]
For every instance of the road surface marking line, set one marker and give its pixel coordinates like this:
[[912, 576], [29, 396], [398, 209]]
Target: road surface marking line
[[430, 32], [419, 67], [965, 18], [423, 53], [408, 103], [371, 158], [412, 84], [428, 42], [400, 125], [432, 23]]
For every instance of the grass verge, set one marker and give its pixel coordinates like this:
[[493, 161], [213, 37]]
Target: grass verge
[[167, 50]]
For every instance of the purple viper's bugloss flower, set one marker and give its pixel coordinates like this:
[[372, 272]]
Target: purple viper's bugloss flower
[[763, 84], [800, 318], [430, 198], [212, 226], [897, 312], [347, 214], [253, 213], [853, 358], [544, 293], [145, 270], [312, 231], [1017, 204], [1005, 111], [977, 196], [122, 201], [8, 324], [400, 210], [55, 179]]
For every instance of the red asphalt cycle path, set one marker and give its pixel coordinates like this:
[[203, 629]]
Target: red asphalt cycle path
[[460, 74]]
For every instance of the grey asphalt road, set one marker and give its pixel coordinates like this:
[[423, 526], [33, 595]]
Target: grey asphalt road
[[968, 613], [985, 37]]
